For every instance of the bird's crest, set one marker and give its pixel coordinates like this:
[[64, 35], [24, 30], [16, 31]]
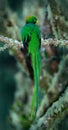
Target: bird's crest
[[31, 19]]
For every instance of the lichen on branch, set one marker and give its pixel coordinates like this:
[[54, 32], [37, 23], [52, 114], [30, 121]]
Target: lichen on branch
[[11, 43], [55, 111]]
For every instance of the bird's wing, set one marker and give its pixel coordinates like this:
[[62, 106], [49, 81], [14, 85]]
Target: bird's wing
[[26, 35]]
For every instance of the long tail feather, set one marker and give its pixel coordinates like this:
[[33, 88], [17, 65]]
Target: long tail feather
[[36, 67]]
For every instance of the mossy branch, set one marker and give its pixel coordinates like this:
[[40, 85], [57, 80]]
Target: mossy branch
[[58, 108], [15, 45], [12, 43], [57, 86]]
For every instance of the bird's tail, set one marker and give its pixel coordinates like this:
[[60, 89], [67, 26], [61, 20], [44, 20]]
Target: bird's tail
[[36, 68]]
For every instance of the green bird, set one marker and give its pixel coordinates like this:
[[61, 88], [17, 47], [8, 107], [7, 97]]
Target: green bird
[[31, 37]]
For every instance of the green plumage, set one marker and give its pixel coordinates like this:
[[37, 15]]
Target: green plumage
[[31, 40]]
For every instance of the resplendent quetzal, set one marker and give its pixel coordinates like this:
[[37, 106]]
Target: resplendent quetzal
[[31, 38]]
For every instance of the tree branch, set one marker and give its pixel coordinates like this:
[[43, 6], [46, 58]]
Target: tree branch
[[59, 108], [56, 87], [17, 44], [10, 43]]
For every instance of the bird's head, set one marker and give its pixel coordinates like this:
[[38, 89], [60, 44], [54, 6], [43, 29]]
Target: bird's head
[[31, 19]]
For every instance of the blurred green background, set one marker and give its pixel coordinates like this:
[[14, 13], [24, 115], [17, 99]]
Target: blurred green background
[[12, 17], [7, 87]]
